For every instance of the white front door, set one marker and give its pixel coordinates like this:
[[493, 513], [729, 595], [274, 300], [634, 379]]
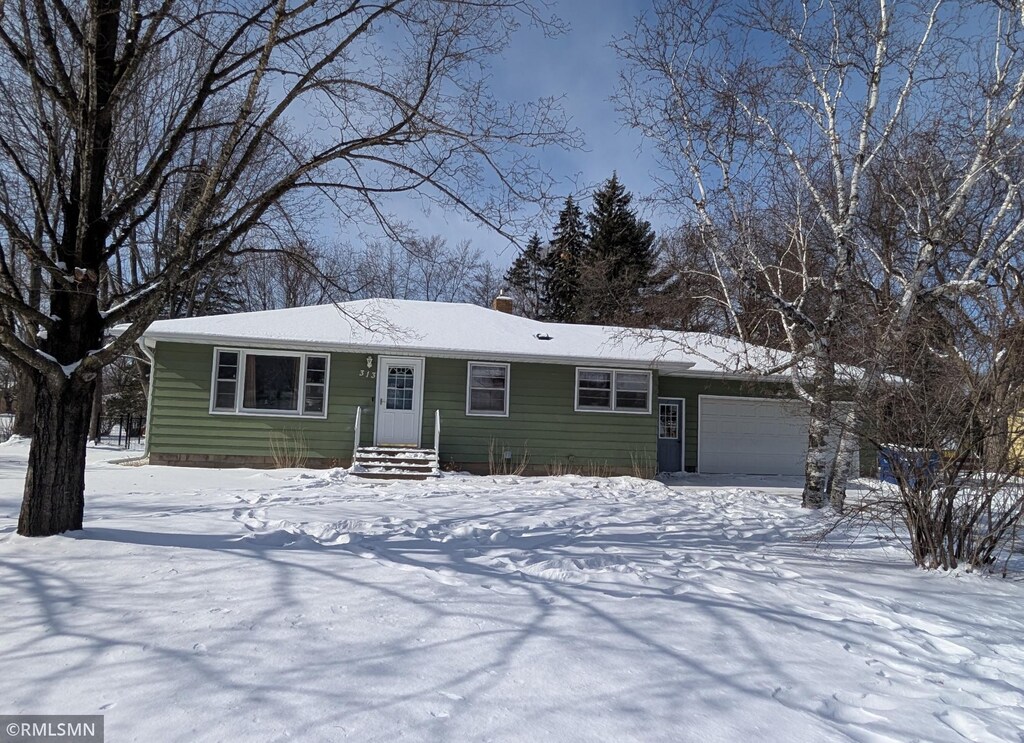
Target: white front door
[[399, 418]]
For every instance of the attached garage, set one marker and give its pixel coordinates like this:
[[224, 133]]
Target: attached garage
[[746, 435]]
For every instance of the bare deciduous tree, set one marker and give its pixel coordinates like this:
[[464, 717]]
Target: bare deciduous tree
[[425, 268], [147, 139], [291, 276]]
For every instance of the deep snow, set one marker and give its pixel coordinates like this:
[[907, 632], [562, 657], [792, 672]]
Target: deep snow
[[224, 605]]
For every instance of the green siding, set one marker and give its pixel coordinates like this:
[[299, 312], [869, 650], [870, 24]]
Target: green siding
[[541, 421], [182, 423]]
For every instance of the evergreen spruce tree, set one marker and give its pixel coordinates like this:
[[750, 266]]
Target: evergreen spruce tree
[[620, 260], [562, 292], [526, 279]]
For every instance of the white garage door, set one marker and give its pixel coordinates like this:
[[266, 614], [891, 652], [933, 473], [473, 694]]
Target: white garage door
[[751, 436]]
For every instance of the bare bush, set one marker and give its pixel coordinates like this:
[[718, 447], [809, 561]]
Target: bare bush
[[947, 434], [504, 460], [643, 464], [590, 468], [948, 513], [288, 449]]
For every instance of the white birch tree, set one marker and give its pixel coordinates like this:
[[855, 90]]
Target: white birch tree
[[776, 118]]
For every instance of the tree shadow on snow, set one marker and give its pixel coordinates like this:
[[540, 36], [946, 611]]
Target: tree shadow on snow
[[480, 581]]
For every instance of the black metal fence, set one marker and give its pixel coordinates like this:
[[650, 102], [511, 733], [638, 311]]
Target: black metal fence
[[125, 429]]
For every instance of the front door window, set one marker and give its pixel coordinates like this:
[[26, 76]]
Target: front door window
[[400, 388], [668, 421]]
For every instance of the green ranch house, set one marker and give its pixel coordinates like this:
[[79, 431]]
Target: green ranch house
[[406, 387]]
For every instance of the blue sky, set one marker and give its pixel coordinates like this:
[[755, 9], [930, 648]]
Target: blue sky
[[580, 66]]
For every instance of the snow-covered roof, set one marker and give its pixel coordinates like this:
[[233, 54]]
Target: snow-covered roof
[[465, 331]]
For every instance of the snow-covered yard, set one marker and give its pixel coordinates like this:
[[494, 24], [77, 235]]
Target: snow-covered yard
[[246, 605]]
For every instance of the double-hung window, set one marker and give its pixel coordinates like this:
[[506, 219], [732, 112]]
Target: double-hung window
[[225, 381], [314, 400], [269, 383], [613, 390], [487, 389]]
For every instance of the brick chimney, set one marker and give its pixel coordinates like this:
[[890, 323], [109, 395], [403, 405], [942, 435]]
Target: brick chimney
[[502, 303]]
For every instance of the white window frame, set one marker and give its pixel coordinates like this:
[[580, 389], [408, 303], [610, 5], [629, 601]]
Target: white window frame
[[303, 373], [611, 401], [243, 356], [469, 397], [214, 379]]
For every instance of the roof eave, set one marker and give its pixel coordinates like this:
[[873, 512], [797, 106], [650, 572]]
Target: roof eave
[[291, 345]]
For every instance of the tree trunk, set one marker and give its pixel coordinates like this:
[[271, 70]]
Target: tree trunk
[[996, 443], [842, 466], [97, 411], [55, 483], [819, 424], [24, 401], [847, 450], [25, 404], [816, 464]]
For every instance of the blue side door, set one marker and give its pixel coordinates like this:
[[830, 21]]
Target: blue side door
[[670, 435]]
